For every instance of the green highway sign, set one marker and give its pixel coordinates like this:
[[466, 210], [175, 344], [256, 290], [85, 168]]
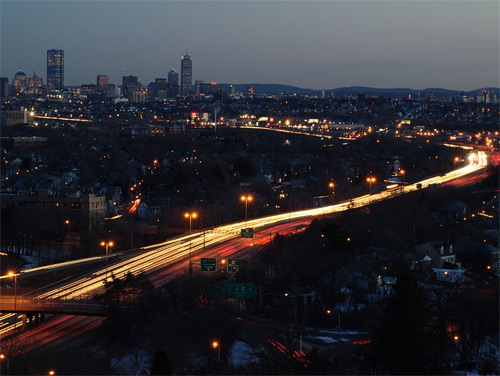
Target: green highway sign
[[234, 291], [208, 265], [233, 265], [241, 290], [218, 291], [247, 232]]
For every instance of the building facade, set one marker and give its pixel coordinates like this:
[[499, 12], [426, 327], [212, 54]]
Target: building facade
[[173, 77], [102, 83], [19, 83], [35, 84], [85, 211], [55, 69], [186, 74], [4, 87]]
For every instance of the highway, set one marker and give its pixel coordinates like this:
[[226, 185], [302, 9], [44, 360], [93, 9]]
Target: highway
[[161, 262]]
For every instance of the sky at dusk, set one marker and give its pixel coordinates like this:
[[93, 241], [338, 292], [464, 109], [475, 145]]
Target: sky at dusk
[[310, 44]]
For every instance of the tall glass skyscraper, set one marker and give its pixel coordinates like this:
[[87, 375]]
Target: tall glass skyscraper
[[55, 69], [173, 77], [186, 74]]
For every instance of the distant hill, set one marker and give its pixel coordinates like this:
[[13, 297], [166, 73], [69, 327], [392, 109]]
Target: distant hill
[[276, 89], [272, 89]]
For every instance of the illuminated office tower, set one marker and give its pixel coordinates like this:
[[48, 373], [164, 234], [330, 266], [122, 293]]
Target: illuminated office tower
[[55, 69], [173, 77], [186, 74]]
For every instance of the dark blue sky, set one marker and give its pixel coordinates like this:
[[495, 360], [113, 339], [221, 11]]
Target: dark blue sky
[[311, 44]]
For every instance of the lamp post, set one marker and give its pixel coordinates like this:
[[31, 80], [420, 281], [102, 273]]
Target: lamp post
[[331, 185], [403, 172], [12, 274], [246, 199], [191, 216], [2, 358], [107, 245], [216, 346], [371, 180]]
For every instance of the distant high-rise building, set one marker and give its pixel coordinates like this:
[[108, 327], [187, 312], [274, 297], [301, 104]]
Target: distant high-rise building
[[250, 91], [154, 88], [55, 69], [130, 81], [35, 81], [35, 84], [173, 77], [102, 83], [130, 84], [4, 87], [232, 90], [186, 74], [113, 91], [197, 85], [20, 82]]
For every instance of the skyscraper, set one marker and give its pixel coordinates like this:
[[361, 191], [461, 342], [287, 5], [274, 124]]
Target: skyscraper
[[55, 69], [4, 87], [173, 77], [186, 74], [102, 83]]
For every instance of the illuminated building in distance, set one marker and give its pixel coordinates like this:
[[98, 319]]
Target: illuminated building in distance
[[102, 83], [20, 82], [186, 74], [55, 69], [173, 77]]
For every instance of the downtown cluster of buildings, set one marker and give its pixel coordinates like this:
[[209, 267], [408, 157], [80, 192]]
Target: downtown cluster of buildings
[[131, 89]]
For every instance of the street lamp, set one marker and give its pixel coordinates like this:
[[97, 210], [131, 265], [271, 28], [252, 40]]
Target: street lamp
[[191, 216], [246, 199], [403, 172], [107, 245], [371, 180], [2, 358], [215, 346], [332, 186], [12, 274]]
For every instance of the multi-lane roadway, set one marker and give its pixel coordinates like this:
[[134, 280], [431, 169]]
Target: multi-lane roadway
[[161, 262]]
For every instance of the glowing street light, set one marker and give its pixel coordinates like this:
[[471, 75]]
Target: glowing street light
[[107, 245], [191, 216], [12, 274], [403, 172], [246, 199], [332, 186], [216, 346], [2, 358], [371, 180]]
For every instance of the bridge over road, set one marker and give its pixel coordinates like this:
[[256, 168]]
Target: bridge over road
[[33, 310], [24, 304]]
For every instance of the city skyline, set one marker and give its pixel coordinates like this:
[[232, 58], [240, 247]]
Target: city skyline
[[314, 45]]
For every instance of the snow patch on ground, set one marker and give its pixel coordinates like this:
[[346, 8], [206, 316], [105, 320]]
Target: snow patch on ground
[[241, 355], [326, 339], [132, 363]]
